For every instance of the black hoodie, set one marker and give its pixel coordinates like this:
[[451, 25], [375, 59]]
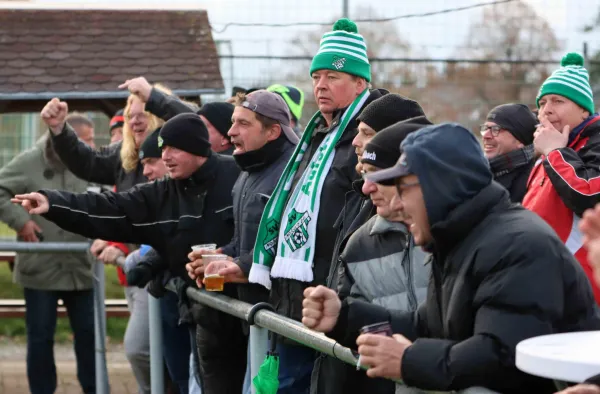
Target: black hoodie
[[499, 275]]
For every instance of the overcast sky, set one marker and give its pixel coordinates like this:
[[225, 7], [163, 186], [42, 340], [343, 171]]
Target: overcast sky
[[446, 30], [438, 36]]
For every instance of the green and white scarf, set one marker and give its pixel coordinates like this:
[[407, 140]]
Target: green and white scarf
[[287, 251]]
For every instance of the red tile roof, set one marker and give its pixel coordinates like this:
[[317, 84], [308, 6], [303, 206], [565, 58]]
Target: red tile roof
[[87, 54]]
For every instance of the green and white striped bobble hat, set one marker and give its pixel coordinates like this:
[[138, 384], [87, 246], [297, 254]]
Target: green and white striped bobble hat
[[343, 50], [572, 81]]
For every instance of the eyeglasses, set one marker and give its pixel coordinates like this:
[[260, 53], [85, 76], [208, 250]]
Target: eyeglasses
[[495, 130], [401, 187]]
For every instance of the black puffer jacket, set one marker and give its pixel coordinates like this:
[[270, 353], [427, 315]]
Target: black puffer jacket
[[287, 294], [169, 215], [516, 181], [500, 275], [101, 166]]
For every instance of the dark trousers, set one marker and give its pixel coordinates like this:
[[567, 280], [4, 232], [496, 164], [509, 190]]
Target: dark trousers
[[296, 363], [176, 342], [40, 318], [222, 349]]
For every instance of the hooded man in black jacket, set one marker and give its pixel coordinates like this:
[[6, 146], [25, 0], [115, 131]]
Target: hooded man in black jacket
[[499, 275]]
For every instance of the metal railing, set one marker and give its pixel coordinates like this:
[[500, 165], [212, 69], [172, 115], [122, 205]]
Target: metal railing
[[273, 322], [45, 247], [260, 317], [102, 385]]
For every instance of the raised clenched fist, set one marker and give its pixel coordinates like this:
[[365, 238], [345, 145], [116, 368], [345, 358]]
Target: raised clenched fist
[[54, 114]]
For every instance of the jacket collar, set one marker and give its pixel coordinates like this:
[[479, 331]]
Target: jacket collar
[[261, 158], [50, 156], [206, 172], [450, 232], [585, 129], [383, 226], [357, 185]]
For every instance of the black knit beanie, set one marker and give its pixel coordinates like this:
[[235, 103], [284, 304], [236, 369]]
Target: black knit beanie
[[149, 147], [186, 132], [383, 151], [389, 109], [518, 119], [219, 115]]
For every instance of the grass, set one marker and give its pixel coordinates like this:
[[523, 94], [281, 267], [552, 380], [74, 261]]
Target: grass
[[14, 328], [6, 232]]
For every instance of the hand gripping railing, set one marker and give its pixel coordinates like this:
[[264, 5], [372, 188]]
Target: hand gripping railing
[[271, 321]]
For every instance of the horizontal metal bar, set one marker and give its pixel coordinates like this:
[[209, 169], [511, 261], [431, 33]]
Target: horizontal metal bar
[[229, 305], [111, 303], [294, 330], [274, 322], [44, 247]]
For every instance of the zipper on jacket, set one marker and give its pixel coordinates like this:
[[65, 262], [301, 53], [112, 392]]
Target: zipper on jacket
[[411, 293], [437, 281], [240, 205], [332, 272]]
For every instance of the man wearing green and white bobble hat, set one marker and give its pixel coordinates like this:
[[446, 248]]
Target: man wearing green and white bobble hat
[[296, 236], [566, 181]]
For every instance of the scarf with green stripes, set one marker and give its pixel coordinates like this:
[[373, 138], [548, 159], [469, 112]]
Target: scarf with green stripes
[[285, 244]]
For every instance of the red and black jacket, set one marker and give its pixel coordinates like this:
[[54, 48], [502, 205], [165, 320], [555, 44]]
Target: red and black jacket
[[563, 185]]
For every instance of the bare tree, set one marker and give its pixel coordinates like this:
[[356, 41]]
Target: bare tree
[[512, 32]]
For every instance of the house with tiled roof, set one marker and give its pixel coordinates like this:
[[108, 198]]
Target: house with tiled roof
[[82, 56]]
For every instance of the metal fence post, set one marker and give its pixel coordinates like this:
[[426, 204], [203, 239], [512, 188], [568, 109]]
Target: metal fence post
[[156, 351], [258, 346], [102, 386]]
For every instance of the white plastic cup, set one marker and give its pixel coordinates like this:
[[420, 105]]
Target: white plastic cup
[[204, 247]]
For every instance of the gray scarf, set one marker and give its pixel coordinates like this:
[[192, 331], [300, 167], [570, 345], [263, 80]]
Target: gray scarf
[[508, 162]]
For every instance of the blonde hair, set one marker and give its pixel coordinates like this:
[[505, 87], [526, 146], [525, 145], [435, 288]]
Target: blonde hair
[[129, 152]]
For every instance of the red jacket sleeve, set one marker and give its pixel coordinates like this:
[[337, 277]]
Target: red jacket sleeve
[[576, 175]]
